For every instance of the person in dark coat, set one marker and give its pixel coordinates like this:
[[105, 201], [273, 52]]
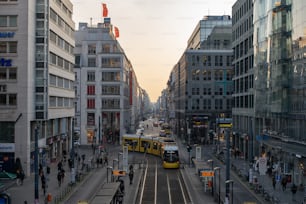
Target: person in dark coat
[[131, 176], [43, 183]]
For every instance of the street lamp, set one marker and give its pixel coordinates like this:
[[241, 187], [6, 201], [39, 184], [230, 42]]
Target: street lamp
[[219, 184], [212, 168], [119, 153], [232, 194], [108, 168]]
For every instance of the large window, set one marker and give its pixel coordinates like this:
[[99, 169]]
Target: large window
[[8, 99], [8, 21], [7, 132], [91, 90], [111, 103], [110, 76], [92, 49], [91, 103], [92, 62], [8, 47], [91, 76], [111, 90], [9, 73], [90, 119], [111, 62]]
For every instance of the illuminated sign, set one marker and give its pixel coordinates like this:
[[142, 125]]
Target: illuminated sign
[[7, 34], [207, 173], [225, 125], [119, 173]]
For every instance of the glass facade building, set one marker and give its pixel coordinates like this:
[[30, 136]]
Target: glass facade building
[[279, 82]]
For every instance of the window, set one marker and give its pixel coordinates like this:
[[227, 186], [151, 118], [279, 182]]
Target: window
[[8, 47], [91, 76], [91, 49], [90, 119], [52, 80], [106, 48], [110, 76], [206, 75], [52, 101], [91, 90], [91, 62], [196, 74], [111, 62], [111, 90], [53, 15], [91, 103], [53, 58], [8, 99], [8, 21]]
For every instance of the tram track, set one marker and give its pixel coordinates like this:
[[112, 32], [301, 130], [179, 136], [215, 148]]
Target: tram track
[[161, 185]]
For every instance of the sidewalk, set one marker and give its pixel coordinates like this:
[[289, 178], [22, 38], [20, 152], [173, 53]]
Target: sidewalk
[[241, 168], [25, 192]]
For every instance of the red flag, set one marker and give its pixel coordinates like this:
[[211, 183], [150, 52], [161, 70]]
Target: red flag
[[116, 32], [104, 10]]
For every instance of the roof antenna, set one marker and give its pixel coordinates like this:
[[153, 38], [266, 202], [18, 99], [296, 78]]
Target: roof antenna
[[90, 22]]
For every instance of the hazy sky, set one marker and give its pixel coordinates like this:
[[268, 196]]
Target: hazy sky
[[153, 33]]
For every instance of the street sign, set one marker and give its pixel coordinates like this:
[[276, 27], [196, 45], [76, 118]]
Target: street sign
[[207, 173], [119, 173]]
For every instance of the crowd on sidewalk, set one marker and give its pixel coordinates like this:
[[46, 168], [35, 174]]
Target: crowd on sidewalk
[[273, 186]]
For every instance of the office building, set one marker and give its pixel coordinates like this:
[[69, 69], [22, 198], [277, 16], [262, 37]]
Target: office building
[[36, 81]]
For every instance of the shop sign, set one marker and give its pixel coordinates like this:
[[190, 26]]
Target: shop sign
[[7, 34], [7, 147], [5, 62]]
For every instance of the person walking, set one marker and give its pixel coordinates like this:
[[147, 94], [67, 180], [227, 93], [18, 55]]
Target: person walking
[[43, 183], [273, 182], [293, 190], [59, 178], [284, 182], [131, 176]]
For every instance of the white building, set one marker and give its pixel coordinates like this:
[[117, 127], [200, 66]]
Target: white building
[[105, 83], [36, 80]]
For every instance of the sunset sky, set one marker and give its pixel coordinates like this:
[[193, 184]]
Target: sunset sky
[[153, 33]]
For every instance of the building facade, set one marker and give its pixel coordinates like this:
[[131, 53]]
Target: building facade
[[243, 79], [36, 81], [279, 84], [107, 87], [201, 82]]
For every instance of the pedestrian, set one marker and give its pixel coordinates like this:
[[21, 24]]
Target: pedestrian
[[48, 173], [105, 160], [293, 190], [131, 167], [284, 182], [59, 178], [43, 183], [97, 162], [273, 182], [20, 176], [59, 165], [131, 176]]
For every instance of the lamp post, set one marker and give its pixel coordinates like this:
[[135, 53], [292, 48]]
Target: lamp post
[[108, 168], [119, 153], [212, 168], [219, 183], [232, 194]]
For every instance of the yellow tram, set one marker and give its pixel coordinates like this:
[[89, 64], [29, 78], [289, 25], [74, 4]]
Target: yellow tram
[[163, 147]]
